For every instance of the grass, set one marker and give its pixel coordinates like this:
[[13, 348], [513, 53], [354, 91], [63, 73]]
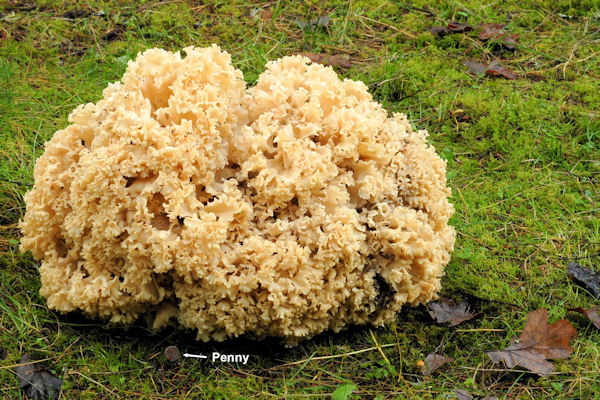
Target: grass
[[523, 165]]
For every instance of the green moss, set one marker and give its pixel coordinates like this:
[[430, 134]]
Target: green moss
[[522, 163]]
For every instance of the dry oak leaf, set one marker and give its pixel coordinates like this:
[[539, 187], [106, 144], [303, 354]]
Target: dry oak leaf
[[448, 311], [538, 342], [434, 361], [591, 313]]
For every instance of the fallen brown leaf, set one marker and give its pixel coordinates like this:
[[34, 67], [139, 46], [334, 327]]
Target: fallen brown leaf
[[439, 30], [434, 361], [510, 41], [538, 342], [457, 27], [474, 67], [451, 27], [462, 394], [591, 313], [334, 60], [448, 311], [492, 69], [585, 278], [495, 69], [491, 31], [496, 32]]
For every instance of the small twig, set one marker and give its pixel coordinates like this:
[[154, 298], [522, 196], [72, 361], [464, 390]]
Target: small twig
[[505, 370], [120, 372], [15, 182], [575, 258], [400, 377], [379, 348], [91, 380], [387, 80], [467, 212], [27, 363], [423, 10], [405, 33], [334, 356]]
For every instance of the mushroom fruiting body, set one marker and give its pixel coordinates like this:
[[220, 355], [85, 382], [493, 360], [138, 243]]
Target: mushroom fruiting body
[[285, 209]]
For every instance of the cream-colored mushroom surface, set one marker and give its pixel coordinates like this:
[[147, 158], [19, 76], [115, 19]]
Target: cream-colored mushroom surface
[[285, 209]]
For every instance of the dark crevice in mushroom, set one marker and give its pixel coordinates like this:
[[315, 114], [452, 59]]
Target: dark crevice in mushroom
[[210, 200], [61, 248], [129, 180], [385, 292], [201, 194]]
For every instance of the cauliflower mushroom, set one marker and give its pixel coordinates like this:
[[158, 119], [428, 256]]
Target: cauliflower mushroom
[[290, 208]]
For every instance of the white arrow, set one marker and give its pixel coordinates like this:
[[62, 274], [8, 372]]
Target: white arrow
[[194, 355]]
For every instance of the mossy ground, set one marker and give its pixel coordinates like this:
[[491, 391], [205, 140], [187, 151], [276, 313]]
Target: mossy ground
[[523, 163]]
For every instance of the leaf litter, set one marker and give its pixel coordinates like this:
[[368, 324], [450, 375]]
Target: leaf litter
[[447, 310], [435, 361], [333, 60], [585, 278], [451, 27], [593, 314], [36, 381], [462, 394], [492, 69], [496, 32], [538, 343]]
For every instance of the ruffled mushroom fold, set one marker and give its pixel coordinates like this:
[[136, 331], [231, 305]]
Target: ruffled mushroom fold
[[285, 209]]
